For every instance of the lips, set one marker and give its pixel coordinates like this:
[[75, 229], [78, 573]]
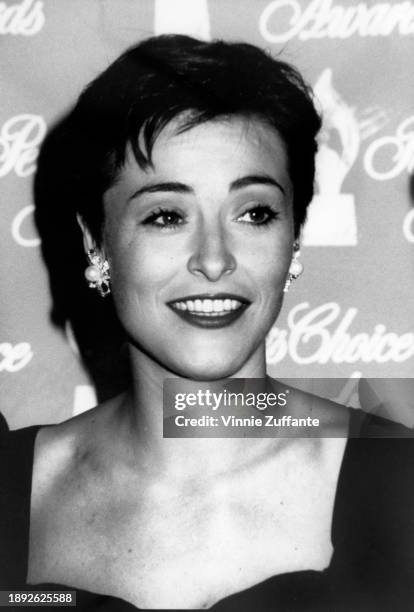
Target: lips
[[210, 311]]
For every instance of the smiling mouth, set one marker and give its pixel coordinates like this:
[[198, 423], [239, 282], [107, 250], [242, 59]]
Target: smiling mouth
[[211, 311]]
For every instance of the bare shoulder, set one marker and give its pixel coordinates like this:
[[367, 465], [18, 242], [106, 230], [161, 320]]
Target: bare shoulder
[[70, 491], [60, 448]]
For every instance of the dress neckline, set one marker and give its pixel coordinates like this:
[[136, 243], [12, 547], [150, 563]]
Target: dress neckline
[[26, 439]]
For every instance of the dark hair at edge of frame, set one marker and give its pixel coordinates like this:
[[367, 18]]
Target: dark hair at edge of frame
[[130, 103], [92, 319], [168, 76]]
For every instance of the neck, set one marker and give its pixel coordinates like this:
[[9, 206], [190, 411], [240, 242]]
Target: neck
[[142, 416]]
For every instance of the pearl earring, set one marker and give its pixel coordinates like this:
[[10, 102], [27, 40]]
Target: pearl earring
[[97, 273], [295, 268]]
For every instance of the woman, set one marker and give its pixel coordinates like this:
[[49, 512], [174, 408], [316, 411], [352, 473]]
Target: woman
[[189, 167]]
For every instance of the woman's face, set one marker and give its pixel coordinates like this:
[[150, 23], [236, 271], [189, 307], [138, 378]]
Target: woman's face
[[199, 247]]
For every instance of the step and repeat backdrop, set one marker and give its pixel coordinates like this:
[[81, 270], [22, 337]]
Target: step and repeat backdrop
[[351, 314]]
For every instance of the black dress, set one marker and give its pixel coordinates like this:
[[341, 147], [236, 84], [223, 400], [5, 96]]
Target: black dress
[[372, 566]]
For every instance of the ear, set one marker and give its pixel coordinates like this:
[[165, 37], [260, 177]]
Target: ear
[[89, 243]]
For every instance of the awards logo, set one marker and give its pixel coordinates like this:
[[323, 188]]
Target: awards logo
[[19, 222], [282, 20], [20, 139], [387, 157], [331, 217], [323, 334], [14, 357], [26, 18]]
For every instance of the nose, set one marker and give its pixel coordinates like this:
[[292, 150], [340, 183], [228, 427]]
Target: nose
[[211, 257]]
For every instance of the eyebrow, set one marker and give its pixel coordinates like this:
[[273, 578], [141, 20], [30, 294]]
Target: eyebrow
[[254, 179], [176, 187]]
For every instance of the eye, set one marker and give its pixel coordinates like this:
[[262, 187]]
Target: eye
[[164, 218], [262, 214]]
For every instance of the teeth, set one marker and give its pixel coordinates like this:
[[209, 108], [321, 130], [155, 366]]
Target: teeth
[[218, 306], [208, 306]]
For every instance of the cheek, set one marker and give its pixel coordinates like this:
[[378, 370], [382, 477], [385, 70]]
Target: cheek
[[268, 262], [141, 268]]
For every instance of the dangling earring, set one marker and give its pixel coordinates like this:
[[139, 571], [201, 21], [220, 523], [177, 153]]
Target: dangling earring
[[97, 273], [295, 268]]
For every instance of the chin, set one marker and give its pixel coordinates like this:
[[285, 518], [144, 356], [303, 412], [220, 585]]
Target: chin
[[209, 369]]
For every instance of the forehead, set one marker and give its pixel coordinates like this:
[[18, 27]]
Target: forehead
[[224, 149], [242, 131]]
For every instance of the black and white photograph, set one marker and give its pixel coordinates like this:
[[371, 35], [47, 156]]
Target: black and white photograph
[[207, 305]]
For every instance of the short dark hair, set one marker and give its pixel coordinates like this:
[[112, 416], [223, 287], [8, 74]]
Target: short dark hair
[[148, 86], [165, 76]]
